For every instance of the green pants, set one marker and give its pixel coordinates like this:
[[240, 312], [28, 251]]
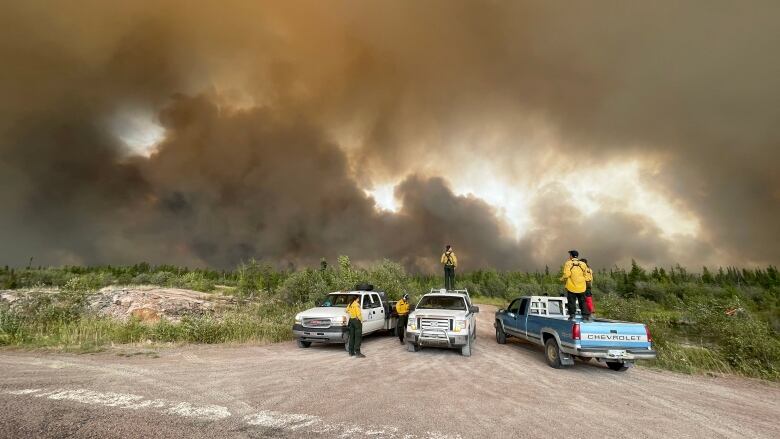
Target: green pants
[[355, 331], [449, 277]]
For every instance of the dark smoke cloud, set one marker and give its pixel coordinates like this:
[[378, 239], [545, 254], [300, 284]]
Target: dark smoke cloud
[[276, 116]]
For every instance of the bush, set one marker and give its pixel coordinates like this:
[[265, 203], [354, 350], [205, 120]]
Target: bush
[[303, 286], [192, 281]]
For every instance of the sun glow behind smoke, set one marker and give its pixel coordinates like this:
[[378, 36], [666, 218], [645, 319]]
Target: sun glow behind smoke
[[138, 130], [613, 187]]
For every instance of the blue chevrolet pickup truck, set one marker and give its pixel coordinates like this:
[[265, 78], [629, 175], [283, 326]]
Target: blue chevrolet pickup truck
[[542, 320]]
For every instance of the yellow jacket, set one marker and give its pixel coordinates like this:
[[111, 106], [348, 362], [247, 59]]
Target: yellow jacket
[[354, 310], [574, 273], [449, 258], [588, 275], [402, 307]]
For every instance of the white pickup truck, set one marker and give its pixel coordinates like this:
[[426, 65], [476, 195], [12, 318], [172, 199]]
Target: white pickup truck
[[327, 323], [443, 318]]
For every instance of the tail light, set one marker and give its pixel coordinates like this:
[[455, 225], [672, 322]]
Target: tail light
[[575, 331], [647, 331]]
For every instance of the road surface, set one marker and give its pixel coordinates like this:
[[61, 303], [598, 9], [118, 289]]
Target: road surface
[[281, 391]]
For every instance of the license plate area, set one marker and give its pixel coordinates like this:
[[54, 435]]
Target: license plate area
[[616, 353]]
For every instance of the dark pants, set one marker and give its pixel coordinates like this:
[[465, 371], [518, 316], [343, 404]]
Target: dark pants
[[355, 331], [449, 277], [575, 299], [401, 327]]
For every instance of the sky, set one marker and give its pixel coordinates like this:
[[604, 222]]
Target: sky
[[210, 133]]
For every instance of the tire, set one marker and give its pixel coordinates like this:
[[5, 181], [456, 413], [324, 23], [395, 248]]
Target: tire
[[552, 353], [411, 347], [500, 334], [304, 344], [346, 345], [617, 366], [466, 349]]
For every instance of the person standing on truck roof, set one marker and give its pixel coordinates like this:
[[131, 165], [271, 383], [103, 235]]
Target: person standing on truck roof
[[355, 328], [402, 308], [450, 261], [588, 285], [574, 275]]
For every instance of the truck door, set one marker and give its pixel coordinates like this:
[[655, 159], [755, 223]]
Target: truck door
[[377, 313], [511, 320], [522, 317], [367, 307]]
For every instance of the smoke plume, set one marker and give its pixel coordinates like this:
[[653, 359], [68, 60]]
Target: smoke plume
[[276, 119]]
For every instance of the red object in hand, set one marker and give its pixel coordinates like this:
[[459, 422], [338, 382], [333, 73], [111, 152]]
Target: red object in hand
[[589, 304]]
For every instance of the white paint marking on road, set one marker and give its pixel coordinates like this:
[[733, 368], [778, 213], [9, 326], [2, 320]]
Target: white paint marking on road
[[212, 412], [266, 418], [23, 391], [130, 401]]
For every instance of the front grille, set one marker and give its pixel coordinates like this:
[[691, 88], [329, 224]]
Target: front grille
[[435, 324], [316, 322]]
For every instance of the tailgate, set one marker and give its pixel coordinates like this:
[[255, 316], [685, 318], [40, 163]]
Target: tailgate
[[613, 335]]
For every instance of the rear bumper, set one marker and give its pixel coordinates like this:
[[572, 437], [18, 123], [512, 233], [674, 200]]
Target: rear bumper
[[337, 334], [630, 354]]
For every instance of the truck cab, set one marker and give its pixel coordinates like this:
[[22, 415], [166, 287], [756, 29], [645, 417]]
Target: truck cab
[[443, 318], [327, 322]]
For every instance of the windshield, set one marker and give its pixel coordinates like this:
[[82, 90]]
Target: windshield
[[442, 302], [339, 300]]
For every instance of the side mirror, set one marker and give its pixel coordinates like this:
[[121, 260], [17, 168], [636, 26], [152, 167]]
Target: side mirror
[[474, 309], [501, 310]]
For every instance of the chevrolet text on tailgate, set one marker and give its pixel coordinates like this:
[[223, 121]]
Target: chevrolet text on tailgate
[[543, 320]]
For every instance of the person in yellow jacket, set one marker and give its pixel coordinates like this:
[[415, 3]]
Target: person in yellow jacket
[[355, 328], [575, 277], [402, 308], [450, 261]]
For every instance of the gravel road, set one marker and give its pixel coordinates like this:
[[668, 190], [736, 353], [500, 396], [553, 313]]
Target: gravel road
[[281, 391]]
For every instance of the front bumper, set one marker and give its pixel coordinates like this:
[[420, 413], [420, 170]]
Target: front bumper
[[334, 334], [438, 339], [630, 354]]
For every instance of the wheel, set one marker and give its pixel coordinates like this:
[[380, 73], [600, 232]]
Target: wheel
[[466, 349], [303, 344], [346, 344], [552, 353], [411, 347], [617, 366], [500, 334]]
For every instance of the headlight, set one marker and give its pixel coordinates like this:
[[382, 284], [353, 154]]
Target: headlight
[[297, 319], [412, 323], [339, 321], [460, 325]]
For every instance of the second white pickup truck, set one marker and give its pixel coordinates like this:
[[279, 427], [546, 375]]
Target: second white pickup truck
[[443, 318]]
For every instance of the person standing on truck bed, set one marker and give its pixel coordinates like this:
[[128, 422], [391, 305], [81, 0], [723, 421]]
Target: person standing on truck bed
[[574, 274], [402, 308], [588, 286], [450, 261], [355, 328]]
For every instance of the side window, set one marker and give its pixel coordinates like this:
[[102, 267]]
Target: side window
[[523, 308], [375, 298], [366, 302], [514, 307]]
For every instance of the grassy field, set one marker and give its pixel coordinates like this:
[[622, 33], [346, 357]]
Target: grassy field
[[724, 321]]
